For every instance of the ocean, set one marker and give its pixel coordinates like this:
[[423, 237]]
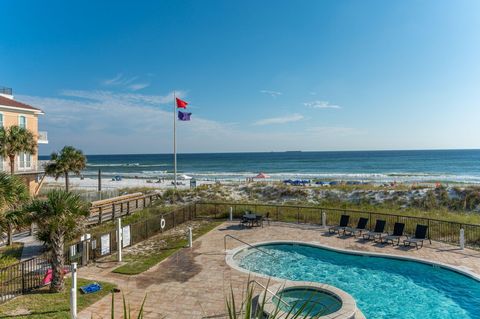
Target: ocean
[[447, 166]]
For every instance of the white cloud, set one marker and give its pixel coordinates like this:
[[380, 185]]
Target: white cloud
[[271, 93], [280, 120], [138, 86], [321, 105], [126, 82]]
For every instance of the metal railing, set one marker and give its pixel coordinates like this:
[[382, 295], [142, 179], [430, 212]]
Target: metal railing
[[244, 242], [271, 292], [5, 90], [42, 137], [438, 230]]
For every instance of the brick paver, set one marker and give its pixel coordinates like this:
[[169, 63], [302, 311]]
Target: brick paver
[[194, 282]]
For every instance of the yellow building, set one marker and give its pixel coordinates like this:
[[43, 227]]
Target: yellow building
[[13, 112]]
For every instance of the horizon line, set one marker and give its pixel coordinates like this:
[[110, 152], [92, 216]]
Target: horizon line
[[289, 151]]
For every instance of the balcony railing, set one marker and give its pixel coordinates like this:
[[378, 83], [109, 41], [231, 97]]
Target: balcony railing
[[42, 137], [7, 91]]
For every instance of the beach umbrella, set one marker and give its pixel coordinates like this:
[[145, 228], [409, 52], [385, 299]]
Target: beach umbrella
[[262, 175]]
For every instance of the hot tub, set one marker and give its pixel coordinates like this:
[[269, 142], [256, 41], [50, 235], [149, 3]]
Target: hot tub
[[309, 299]]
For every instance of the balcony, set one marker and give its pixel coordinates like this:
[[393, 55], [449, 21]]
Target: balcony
[[6, 91], [42, 137]]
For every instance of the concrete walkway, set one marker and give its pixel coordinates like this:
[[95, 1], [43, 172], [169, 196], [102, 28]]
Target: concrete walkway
[[32, 247], [195, 282]]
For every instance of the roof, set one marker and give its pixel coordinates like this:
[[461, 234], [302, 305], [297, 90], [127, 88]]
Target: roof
[[11, 103]]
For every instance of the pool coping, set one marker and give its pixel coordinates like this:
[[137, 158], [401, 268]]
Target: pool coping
[[230, 254]]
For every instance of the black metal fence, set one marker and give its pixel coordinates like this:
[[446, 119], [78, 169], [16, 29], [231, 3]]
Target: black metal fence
[[438, 230], [30, 274]]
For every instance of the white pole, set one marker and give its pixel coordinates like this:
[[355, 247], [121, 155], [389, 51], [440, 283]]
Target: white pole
[[73, 292], [231, 213], [119, 239], [190, 237], [174, 139], [324, 219], [462, 238]]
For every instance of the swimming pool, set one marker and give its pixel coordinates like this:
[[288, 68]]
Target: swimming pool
[[382, 287]]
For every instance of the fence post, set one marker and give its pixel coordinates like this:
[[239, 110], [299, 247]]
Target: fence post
[[462, 239], [231, 213], [73, 292], [324, 219], [136, 202], [100, 215], [121, 208], [119, 239], [298, 215], [23, 277], [128, 208], [143, 202], [113, 211], [190, 237]]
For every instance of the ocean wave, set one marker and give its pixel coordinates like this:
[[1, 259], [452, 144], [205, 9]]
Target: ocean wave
[[361, 176], [126, 165]]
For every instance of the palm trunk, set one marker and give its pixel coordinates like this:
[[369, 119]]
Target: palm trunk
[[12, 164], [58, 263], [66, 181], [9, 234]]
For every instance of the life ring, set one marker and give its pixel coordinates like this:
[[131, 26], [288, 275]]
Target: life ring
[[162, 223]]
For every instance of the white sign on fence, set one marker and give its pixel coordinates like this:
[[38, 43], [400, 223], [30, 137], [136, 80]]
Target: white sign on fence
[[105, 244], [126, 236]]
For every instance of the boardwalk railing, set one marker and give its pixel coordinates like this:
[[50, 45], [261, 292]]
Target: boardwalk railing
[[118, 208], [438, 230]]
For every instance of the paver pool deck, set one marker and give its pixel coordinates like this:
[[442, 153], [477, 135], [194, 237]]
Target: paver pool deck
[[194, 282]]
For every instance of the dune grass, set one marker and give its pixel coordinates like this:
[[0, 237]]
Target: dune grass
[[10, 254], [41, 304]]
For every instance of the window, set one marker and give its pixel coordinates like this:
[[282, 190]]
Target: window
[[22, 121], [24, 161], [1, 120]]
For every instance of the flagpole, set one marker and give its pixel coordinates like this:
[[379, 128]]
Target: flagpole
[[174, 141]]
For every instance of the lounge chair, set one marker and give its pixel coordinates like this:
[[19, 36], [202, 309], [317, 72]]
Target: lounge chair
[[395, 236], [341, 227], [361, 227], [420, 236], [377, 232]]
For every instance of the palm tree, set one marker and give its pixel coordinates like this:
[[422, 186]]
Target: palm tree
[[13, 193], [15, 140], [60, 218], [68, 160]]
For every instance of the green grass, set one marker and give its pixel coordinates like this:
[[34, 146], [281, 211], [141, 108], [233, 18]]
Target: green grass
[[43, 304], [138, 263], [10, 254]]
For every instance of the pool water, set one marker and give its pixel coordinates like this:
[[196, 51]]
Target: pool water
[[382, 287], [310, 302]]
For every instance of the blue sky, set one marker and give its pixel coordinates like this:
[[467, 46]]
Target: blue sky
[[259, 75]]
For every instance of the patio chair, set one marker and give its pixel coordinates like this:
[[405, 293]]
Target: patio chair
[[259, 220], [244, 222], [267, 218], [396, 235], [361, 227], [377, 232], [343, 224], [421, 233]]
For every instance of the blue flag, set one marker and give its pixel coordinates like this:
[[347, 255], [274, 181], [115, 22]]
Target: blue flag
[[184, 116]]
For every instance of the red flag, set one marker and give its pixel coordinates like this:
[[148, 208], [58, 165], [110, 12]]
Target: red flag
[[181, 104]]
